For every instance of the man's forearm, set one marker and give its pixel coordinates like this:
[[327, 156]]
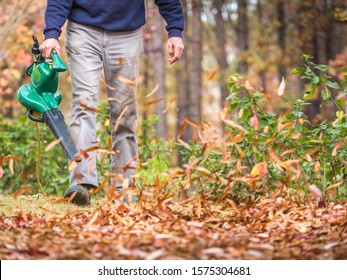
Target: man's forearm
[[55, 17], [171, 11]]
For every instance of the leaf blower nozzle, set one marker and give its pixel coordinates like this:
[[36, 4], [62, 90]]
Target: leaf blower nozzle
[[54, 119], [41, 97]]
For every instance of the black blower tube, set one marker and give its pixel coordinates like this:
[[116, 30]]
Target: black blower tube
[[54, 119]]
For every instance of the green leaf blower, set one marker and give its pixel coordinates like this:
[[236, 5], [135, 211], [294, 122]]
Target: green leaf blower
[[41, 97]]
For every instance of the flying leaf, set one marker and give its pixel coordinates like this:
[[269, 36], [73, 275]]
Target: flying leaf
[[212, 75], [224, 111], [192, 123], [52, 144], [154, 101], [85, 106], [73, 165], [21, 191], [338, 146], [169, 104], [119, 119], [316, 192], [153, 91], [281, 88], [126, 81]]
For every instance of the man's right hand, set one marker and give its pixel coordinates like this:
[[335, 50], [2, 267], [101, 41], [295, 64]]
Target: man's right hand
[[48, 45]]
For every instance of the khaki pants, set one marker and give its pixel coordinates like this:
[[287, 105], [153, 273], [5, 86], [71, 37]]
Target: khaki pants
[[118, 53]]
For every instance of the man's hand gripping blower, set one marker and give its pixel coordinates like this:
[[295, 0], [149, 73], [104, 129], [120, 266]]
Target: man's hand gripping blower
[[41, 97]]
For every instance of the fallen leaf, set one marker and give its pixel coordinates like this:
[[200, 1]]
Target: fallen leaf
[[259, 170]]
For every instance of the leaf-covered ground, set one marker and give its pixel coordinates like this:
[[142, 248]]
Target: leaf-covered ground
[[34, 227]]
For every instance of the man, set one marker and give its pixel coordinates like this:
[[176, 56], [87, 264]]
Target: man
[[105, 35]]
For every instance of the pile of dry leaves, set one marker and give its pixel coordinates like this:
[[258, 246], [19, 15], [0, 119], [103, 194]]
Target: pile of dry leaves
[[273, 228]]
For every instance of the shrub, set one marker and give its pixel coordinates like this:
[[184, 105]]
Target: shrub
[[262, 151]]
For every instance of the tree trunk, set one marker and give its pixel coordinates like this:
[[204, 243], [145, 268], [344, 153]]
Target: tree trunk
[[157, 57], [196, 58], [281, 37], [242, 31], [221, 54]]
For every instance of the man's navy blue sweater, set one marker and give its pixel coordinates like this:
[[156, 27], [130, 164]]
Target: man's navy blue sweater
[[113, 15]]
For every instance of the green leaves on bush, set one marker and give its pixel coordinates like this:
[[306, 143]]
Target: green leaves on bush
[[263, 151]]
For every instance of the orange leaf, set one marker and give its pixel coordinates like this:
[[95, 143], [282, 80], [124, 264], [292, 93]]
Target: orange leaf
[[255, 122], [259, 170], [224, 111], [126, 81], [52, 144], [235, 125], [22, 190], [154, 101], [212, 75], [153, 91], [73, 165], [168, 106], [334, 186], [119, 119], [338, 146], [237, 138], [120, 60], [234, 206], [85, 106], [192, 123]]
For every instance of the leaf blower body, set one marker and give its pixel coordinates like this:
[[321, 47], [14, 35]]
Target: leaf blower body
[[41, 97]]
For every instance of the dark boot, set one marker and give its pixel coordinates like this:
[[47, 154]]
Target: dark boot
[[82, 197]]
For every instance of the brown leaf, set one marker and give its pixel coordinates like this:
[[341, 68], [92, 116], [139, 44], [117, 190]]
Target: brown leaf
[[235, 125], [334, 186], [85, 106], [52, 144], [125, 80], [234, 206], [224, 111], [153, 91], [154, 101], [192, 123], [212, 75], [21, 191], [119, 119], [255, 122], [169, 104], [338, 146], [259, 170]]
